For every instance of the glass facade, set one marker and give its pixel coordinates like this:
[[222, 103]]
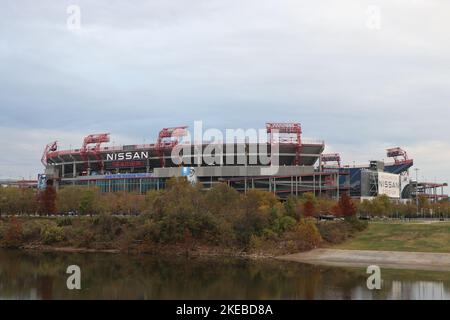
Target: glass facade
[[135, 185]]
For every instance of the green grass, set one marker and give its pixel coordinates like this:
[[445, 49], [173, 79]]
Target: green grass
[[401, 236]]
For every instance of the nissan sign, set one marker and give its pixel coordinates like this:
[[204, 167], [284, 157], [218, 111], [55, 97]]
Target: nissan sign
[[127, 156], [389, 184]]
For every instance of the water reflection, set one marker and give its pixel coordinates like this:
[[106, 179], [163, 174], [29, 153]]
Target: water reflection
[[31, 275]]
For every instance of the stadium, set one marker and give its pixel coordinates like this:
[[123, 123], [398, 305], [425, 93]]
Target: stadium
[[284, 164]]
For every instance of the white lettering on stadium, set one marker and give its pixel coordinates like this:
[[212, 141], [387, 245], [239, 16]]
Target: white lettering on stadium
[[121, 156], [388, 184]]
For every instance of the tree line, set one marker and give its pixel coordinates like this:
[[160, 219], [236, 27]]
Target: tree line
[[180, 213], [83, 200]]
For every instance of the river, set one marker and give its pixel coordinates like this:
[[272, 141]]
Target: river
[[37, 275]]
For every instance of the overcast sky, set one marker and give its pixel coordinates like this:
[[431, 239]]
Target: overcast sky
[[360, 83]]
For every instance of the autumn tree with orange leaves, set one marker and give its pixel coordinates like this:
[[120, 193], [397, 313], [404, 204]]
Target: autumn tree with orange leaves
[[47, 201], [309, 209], [309, 205], [345, 207]]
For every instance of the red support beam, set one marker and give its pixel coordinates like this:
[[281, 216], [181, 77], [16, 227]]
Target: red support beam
[[330, 157], [288, 132], [167, 139], [396, 153], [51, 147], [96, 139]]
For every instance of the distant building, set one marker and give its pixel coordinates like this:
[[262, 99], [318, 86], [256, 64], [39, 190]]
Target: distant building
[[12, 183]]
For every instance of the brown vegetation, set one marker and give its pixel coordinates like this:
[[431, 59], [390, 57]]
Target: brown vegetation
[[183, 216]]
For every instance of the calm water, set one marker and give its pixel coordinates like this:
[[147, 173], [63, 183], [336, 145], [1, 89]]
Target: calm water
[[25, 275]]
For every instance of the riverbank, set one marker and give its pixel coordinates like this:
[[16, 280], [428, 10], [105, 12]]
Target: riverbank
[[144, 235], [363, 258], [160, 250]]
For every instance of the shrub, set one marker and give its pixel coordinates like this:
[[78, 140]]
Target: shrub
[[107, 228], [269, 234], [12, 234], [87, 239], [333, 231], [338, 231], [147, 231], [308, 235], [304, 237], [52, 234], [356, 224], [64, 221], [285, 223], [172, 227], [255, 243], [32, 230]]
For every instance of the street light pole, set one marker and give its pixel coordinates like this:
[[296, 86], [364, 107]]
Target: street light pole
[[417, 190]]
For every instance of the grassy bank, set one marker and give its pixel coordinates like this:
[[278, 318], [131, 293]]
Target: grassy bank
[[133, 234], [402, 236]]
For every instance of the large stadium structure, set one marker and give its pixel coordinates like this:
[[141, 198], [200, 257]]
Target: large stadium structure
[[294, 165]]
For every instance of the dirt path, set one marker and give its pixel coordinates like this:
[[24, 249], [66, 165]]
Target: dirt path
[[383, 259]]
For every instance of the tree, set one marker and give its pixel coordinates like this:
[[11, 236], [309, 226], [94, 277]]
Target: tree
[[258, 210], [87, 202], [324, 205], [309, 205], [13, 234], [366, 208], [378, 206], [385, 203], [27, 201], [154, 204], [128, 203], [424, 202], [291, 207], [180, 196], [222, 200], [48, 200], [345, 207], [309, 209], [17, 201], [82, 199]]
